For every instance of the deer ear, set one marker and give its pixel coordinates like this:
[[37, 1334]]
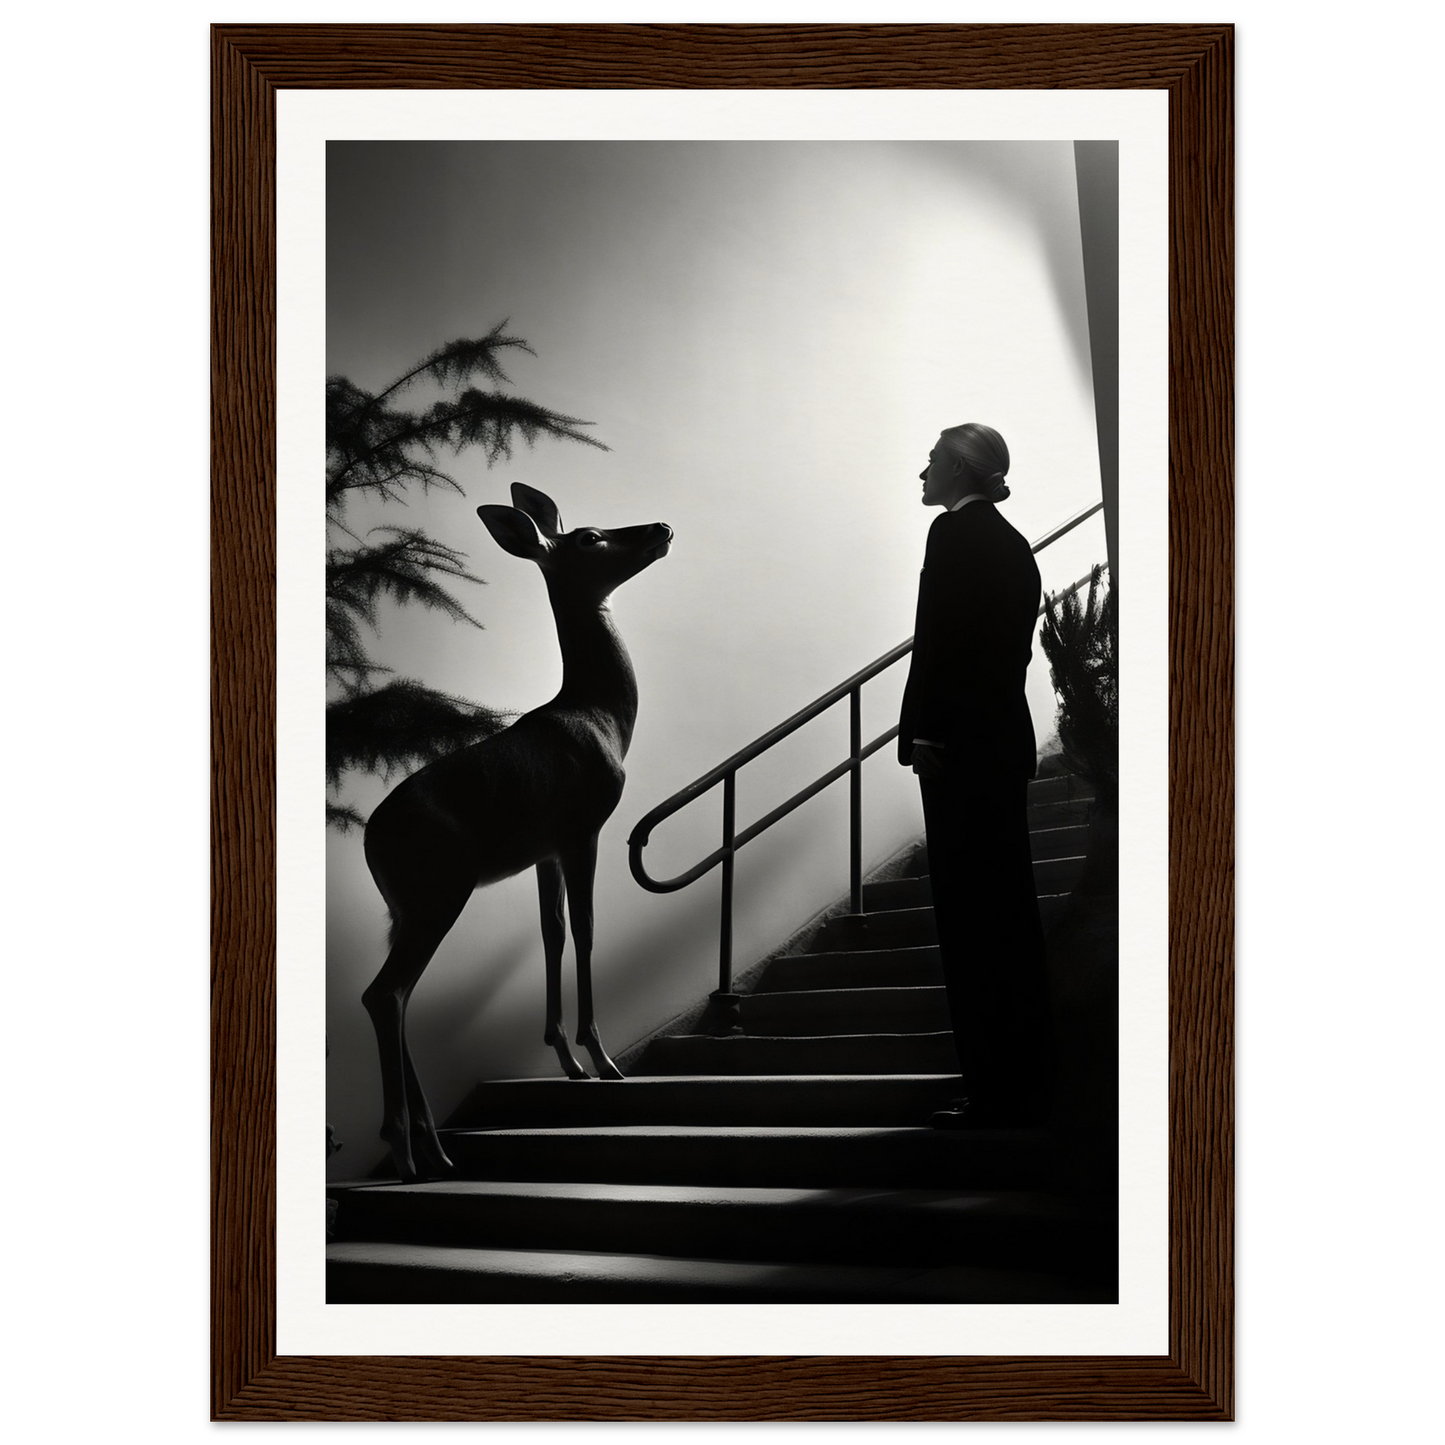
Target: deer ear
[[515, 532], [539, 507]]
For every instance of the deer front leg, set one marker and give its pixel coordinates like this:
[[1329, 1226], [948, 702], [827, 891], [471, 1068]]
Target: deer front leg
[[579, 865], [554, 938]]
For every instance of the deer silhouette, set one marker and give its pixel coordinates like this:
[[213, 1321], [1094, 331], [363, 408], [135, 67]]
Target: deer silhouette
[[534, 795]]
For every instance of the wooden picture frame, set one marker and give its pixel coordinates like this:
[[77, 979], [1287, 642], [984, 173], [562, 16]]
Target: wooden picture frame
[[1195, 1379]]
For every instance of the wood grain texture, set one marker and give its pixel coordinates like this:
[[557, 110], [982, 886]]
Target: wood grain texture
[[243, 722], [1201, 719], [1195, 1380]]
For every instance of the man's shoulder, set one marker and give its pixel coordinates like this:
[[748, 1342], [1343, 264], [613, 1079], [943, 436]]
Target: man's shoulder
[[986, 541], [945, 535], [976, 523], [959, 522], [993, 523]]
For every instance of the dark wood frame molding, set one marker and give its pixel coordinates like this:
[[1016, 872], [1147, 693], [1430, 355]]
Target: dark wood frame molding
[[1194, 63]]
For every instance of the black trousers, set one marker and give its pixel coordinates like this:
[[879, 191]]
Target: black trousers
[[990, 939]]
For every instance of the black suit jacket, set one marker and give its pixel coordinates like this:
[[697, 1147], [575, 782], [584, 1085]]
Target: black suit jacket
[[978, 604]]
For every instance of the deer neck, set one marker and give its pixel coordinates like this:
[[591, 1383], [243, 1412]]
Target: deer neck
[[596, 671]]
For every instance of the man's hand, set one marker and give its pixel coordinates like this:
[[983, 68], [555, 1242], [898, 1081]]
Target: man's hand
[[927, 760]]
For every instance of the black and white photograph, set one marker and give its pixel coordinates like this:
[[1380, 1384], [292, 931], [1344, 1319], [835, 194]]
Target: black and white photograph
[[722, 721]]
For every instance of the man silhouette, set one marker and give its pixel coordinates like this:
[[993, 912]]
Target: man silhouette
[[965, 730]]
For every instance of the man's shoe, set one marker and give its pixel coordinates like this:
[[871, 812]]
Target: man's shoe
[[963, 1113], [955, 1116]]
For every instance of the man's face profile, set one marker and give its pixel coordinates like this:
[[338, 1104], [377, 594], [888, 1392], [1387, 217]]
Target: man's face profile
[[940, 477]]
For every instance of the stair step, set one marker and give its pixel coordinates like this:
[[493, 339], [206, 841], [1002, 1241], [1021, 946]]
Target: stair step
[[911, 928], [1064, 788], [1058, 875], [366, 1272], [931, 1053], [1058, 815], [897, 893], [1054, 872], [892, 928], [913, 1157], [1066, 837], [847, 1010], [1048, 807], [1066, 840], [806, 1101], [1051, 905], [919, 1227], [859, 968]]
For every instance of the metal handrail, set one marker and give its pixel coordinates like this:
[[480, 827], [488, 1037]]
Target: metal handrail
[[726, 774]]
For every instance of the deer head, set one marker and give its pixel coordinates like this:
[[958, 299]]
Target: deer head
[[586, 564]]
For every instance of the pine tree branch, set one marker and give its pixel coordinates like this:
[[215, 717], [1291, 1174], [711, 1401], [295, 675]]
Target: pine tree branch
[[357, 578], [474, 418], [343, 817], [1079, 641], [412, 471], [458, 359], [401, 725]]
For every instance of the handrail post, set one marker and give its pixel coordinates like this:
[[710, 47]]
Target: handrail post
[[855, 800], [727, 1007], [725, 932]]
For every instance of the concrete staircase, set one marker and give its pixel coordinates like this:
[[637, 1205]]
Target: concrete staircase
[[787, 1163]]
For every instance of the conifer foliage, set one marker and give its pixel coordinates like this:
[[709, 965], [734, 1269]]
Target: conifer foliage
[[379, 447], [1080, 641]]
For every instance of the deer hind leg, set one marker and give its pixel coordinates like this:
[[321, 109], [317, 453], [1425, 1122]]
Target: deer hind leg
[[406, 1117], [426, 1145], [579, 865], [554, 937]]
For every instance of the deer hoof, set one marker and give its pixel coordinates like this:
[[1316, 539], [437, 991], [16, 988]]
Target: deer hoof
[[405, 1166], [557, 1039], [570, 1066], [433, 1160], [398, 1140], [592, 1042]]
